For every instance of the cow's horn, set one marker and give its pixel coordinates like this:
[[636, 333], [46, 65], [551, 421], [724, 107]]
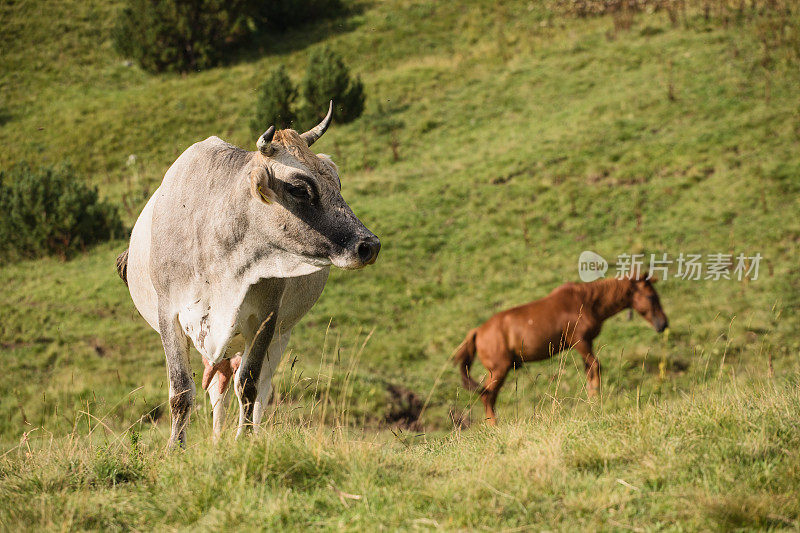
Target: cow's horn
[[316, 132], [264, 142]]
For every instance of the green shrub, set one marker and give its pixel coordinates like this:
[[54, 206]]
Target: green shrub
[[50, 211], [186, 35], [275, 102], [327, 78], [181, 35]]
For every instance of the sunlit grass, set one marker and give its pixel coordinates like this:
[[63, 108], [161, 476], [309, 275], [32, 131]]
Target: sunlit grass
[[499, 141], [721, 459]]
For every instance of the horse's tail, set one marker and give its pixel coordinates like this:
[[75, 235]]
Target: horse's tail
[[463, 358], [122, 266]]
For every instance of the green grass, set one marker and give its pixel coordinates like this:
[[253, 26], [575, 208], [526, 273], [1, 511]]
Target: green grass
[[524, 138], [725, 459]]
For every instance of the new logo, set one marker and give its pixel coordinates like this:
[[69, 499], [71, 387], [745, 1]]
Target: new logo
[[591, 266]]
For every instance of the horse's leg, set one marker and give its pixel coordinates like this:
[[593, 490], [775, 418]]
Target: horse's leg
[[179, 373], [592, 366], [270, 364], [497, 369]]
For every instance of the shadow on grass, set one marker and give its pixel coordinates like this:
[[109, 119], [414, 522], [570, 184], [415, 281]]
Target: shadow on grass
[[273, 42], [5, 116]]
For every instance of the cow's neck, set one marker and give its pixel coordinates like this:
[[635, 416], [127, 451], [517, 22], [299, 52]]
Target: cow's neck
[[257, 258]]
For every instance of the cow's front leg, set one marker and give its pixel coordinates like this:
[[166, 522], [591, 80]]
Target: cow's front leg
[[258, 317], [270, 364], [179, 373], [249, 373]]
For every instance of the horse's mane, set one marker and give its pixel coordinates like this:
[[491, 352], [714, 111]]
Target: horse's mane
[[603, 290]]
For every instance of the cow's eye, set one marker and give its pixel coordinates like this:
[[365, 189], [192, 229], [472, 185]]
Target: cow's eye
[[299, 191]]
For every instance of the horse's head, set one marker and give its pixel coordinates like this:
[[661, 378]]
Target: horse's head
[[644, 300]]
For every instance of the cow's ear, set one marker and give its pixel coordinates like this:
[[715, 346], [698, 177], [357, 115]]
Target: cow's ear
[[327, 160], [260, 187], [331, 167]]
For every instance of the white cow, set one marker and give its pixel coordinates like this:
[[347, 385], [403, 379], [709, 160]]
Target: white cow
[[230, 252]]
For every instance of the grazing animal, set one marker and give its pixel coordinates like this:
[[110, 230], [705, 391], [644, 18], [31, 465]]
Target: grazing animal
[[230, 252], [569, 317]]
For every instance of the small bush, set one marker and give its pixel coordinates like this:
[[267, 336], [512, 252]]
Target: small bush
[[181, 35], [50, 211], [275, 103], [327, 78], [186, 35]]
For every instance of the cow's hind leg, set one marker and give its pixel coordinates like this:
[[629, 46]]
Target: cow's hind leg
[[179, 374], [219, 390], [219, 405]]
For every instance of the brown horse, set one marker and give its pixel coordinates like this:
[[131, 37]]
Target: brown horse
[[569, 317]]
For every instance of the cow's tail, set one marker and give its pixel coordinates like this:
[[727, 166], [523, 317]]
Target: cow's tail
[[122, 266], [463, 358]]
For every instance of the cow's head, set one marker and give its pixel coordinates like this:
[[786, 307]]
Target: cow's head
[[300, 196]]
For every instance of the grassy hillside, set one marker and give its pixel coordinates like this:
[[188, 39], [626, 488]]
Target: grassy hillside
[[723, 460], [499, 142]]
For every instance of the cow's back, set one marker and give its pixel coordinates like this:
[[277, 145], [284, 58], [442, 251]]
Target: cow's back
[[184, 191], [138, 269]]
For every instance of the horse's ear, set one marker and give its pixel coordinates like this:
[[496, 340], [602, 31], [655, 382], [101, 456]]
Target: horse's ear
[[638, 276], [646, 276]]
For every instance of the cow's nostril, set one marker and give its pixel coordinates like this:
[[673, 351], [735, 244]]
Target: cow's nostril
[[364, 252], [367, 250]]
